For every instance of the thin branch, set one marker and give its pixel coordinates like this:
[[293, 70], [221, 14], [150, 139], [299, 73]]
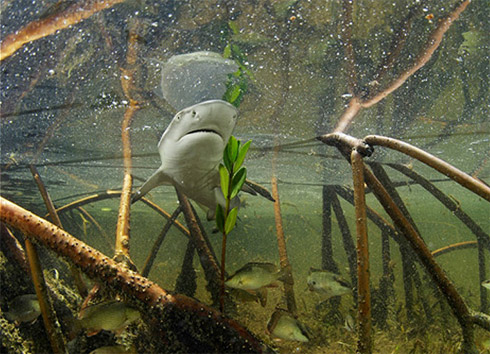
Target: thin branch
[[356, 104], [283, 255], [443, 167], [424, 55], [364, 344], [449, 203], [73, 14], [116, 194], [209, 263], [77, 277], [178, 318], [455, 246], [47, 311], [158, 242], [127, 83], [12, 248], [349, 247], [85, 214], [398, 43], [458, 306]]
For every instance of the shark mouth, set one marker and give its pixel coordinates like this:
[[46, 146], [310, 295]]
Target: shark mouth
[[204, 131]]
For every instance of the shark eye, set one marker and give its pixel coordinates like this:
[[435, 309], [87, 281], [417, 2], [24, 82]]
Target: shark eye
[[313, 282], [194, 113], [177, 118]]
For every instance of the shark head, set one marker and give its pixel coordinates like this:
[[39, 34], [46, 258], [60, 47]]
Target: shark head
[[191, 149], [201, 131]]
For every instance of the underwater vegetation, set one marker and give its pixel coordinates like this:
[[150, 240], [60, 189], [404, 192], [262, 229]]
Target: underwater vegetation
[[366, 120]]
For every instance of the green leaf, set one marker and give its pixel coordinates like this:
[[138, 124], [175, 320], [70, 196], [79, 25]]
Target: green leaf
[[241, 154], [238, 54], [234, 93], [233, 26], [238, 181], [224, 179], [226, 160], [220, 218], [231, 220], [232, 149], [227, 51]]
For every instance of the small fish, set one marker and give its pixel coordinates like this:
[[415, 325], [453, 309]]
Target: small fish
[[255, 275], [349, 323], [23, 308], [486, 284], [327, 283], [485, 344], [110, 316], [283, 325], [114, 349], [249, 296]]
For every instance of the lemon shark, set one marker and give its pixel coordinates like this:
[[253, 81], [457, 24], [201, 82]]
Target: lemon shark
[[191, 149]]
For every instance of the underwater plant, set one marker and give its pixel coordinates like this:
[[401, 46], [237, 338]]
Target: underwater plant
[[232, 177], [237, 84]]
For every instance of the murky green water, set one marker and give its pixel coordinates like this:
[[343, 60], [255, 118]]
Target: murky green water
[[63, 104]]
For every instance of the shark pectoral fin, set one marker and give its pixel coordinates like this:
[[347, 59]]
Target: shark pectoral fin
[[255, 188], [246, 188], [158, 178]]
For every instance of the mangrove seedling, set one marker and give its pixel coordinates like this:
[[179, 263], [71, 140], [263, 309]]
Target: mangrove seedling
[[232, 177]]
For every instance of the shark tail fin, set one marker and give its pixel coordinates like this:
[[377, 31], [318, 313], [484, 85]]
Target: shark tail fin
[[158, 178]]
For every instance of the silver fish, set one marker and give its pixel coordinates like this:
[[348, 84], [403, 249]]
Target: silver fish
[[23, 308], [349, 323], [110, 316], [327, 283], [283, 325], [114, 349], [254, 276], [240, 295]]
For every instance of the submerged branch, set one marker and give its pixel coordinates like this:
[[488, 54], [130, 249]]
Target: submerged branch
[[12, 248], [122, 231], [158, 242], [458, 306], [127, 83], [208, 261], [364, 344], [73, 14], [443, 167], [283, 255], [47, 311], [77, 277], [449, 203], [177, 317], [424, 55], [430, 46], [115, 194], [455, 246]]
